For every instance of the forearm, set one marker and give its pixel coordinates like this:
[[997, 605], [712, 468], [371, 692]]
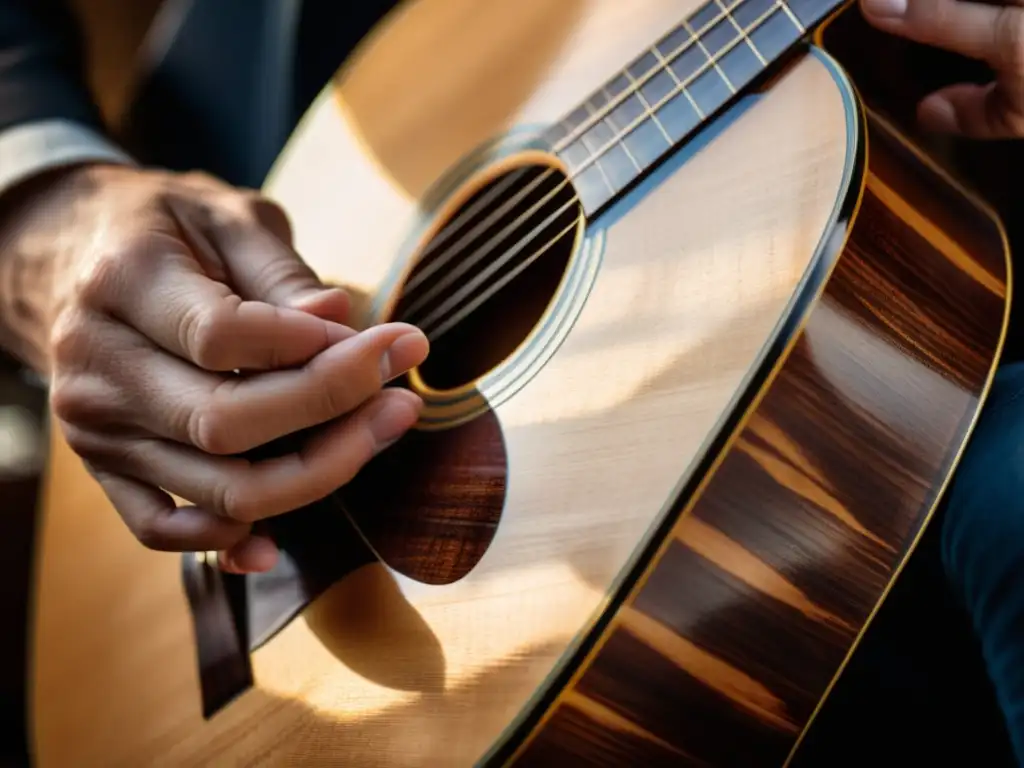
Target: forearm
[[29, 266], [48, 123]]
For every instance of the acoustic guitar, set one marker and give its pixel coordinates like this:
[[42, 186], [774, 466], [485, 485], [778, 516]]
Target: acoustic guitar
[[708, 338]]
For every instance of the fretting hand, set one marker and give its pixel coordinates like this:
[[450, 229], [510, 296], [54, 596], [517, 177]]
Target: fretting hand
[[141, 293], [989, 33]]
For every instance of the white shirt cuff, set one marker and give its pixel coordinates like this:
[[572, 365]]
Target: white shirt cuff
[[30, 149]]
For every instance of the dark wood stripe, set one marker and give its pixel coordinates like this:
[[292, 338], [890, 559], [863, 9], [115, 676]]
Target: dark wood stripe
[[728, 642]]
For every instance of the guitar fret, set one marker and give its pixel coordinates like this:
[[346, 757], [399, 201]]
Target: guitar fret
[[657, 88], [612, 136], [711, 59], [711, 89], [776, 33], [748, 12], [734, 53], [649, 141], [671, 43], [618, 166], [593, 187], [719, 36], [741, 32], [639, 68], [626, 113], [632, 158], [617, 86], [741, 64], [576, 155], [646, 143], [679, 85], [650, 114], [599, 134], [800, 24], [703, 17], [576, 119], [664, 94]]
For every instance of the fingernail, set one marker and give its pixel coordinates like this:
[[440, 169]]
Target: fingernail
[[397, 414], [408, 350], [889, 9]]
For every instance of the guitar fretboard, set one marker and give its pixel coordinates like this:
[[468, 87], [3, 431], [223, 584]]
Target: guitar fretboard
[[671, 89]]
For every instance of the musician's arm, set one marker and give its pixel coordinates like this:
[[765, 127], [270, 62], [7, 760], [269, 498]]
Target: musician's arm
[[48, 118]]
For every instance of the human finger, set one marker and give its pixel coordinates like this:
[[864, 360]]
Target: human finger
[[154, 519], [155, 394], [973, 111], [242, 413], [254, 554], [990, 33], [256, 248], [247, 491], [154, 285]]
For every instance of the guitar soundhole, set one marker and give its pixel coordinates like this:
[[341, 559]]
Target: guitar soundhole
[[484, 280]]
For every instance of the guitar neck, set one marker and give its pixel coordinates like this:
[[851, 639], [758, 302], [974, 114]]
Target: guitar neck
[[667, 93]]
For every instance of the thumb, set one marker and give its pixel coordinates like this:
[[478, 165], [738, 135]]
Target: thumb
[[972, 111], [263, 265]]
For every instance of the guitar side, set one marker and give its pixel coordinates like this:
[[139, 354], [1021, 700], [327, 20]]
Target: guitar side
[[733, 629]]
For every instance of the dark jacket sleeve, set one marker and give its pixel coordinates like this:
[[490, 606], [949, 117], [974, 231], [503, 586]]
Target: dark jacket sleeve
[[41, 67]]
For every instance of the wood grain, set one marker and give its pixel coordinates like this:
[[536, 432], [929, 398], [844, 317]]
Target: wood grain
[[431, 505], [734, 630]]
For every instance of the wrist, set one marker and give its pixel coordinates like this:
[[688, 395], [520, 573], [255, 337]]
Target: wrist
[[35, 214]]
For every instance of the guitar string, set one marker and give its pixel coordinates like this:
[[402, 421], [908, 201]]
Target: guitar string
[[464, 216], [472, 306], [467, 288], [479, 254], [593, 119], [678, 89], [465, 241], [604, 149], [665, 60]]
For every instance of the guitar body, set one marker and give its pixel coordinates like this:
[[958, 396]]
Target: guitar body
[[652, 527]]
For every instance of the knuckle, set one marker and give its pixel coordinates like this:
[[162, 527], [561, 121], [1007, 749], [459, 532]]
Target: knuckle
[[361, 449], [72, 402], [333, 398], [209, 429], [67, 336], [212, 189], [276, 273], [103, 275], [205, 335], [229, 502], [272, 216], [197, 177], [79, 441]]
